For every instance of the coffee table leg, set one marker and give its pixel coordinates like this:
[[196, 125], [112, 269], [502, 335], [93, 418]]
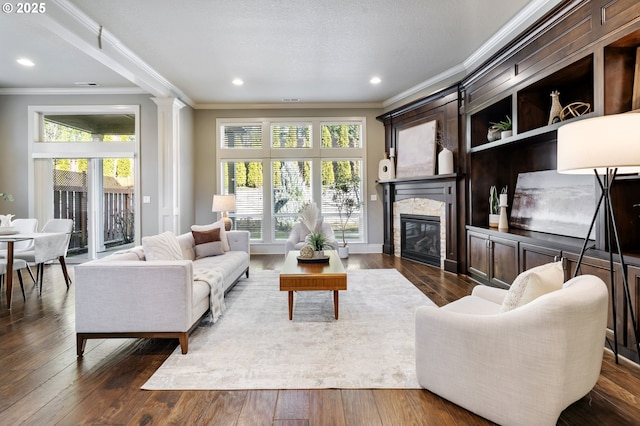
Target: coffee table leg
[[290, 305], [335, 302]]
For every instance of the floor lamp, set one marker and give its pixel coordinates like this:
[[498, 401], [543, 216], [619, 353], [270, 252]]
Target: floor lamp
[[606, 146]]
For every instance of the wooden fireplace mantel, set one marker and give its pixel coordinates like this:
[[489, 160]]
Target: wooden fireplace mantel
[[438, 188]]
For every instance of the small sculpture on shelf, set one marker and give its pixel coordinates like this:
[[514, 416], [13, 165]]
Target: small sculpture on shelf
[[575, 109], [503, 222], [555, 115]]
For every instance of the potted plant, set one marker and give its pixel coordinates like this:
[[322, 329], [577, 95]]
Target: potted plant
[[494, 205], [494, 209], [346, 198], [505, 127]]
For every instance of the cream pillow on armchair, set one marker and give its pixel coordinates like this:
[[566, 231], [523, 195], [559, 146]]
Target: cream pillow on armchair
[[532, 284]]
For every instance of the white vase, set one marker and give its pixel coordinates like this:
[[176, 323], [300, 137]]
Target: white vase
[[494, 220], [318, 253], [503, 223], [445, 162], [506, 134], [343, 252]]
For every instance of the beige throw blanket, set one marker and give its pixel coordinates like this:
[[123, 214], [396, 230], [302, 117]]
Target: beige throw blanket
[[216, 296]]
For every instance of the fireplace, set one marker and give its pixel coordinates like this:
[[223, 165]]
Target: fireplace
[[420, 238]]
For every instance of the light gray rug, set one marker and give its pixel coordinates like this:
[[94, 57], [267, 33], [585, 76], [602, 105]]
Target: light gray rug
[[255, 346]]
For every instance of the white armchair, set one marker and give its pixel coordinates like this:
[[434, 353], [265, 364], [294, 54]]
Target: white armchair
[[299, 232], [520, 367]]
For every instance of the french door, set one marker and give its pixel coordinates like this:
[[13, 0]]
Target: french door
[[85, 168]]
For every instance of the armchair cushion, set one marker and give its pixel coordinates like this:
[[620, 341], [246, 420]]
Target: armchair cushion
[[164, 246], [532, 284]]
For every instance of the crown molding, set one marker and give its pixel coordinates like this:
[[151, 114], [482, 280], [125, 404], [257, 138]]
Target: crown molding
[[74, 91], [292, 105], [74, 26], [519, 23]]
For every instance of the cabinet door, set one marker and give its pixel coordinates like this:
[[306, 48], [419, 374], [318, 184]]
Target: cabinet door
[[600, 268], [503, 261], [477, 255], [532, 255], [633, 275]]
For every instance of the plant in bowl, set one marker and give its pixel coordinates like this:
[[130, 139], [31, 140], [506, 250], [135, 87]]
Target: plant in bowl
[[316, 239], [504, 126]]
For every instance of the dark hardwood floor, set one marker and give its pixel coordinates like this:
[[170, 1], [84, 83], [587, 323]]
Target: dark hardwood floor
[[42, 382]]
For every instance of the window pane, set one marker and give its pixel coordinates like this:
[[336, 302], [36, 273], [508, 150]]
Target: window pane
[[291, 135], [242, 136], [90, 128], [244, 179], [291, 191], [341, 135], [342, 198]]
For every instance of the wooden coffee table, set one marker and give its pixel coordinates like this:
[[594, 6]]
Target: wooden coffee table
[[296, 276]]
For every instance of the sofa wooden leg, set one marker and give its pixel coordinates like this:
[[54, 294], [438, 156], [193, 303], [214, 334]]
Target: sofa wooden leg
[[80, 342], [184, 342], [247, 272]]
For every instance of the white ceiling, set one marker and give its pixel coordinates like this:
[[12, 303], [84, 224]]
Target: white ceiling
[[315, 51]]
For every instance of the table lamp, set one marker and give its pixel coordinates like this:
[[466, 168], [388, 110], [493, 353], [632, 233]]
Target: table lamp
[[224, 204], [605, 146]]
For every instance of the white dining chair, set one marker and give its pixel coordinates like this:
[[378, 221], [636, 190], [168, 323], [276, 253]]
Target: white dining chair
[[63, 226], [22, 226], [18, 266]]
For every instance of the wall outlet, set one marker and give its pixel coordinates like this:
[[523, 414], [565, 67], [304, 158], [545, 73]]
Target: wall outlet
[[374, 197], [146, 199]]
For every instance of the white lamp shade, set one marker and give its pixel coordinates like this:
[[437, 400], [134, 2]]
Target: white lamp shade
[[611, 141], [224, 203]]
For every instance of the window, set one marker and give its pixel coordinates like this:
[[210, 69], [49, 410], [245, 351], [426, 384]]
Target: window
[[276, 166], [85, 168]]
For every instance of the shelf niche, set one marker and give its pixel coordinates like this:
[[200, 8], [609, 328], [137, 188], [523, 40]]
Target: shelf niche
[[575, 84], [481, 121]]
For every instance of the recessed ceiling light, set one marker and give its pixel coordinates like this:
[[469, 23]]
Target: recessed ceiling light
[[25, 62], [238, 82], [375, 80]]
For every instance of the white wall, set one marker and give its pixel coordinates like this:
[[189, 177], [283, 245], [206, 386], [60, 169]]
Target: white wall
[[14, 156], [205, 165]]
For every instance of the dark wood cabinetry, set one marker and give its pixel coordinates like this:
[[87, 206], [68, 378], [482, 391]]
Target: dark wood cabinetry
[[492, 259], [588, 51]]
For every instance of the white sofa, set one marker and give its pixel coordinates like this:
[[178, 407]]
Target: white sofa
[[519, 367], [125, 295]]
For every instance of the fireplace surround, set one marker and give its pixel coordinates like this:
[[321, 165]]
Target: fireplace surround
[[440, 188]]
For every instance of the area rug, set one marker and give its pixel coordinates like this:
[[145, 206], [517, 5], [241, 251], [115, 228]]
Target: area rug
[[254, 345]]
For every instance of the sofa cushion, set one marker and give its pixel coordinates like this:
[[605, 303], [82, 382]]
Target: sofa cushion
[[532, 284], [223, 234], [213, 248], [208, 236], [164, 246]]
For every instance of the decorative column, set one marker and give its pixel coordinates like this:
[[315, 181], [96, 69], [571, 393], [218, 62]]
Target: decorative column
[[169, 163]]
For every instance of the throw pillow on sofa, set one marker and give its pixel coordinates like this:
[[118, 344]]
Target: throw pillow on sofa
[[532, 284], [208, 243], [164, 246], [223, 233]]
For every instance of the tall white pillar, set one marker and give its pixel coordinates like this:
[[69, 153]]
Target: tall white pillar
[[169, 163]]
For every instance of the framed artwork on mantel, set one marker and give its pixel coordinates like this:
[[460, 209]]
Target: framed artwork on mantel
[[416, 151]]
